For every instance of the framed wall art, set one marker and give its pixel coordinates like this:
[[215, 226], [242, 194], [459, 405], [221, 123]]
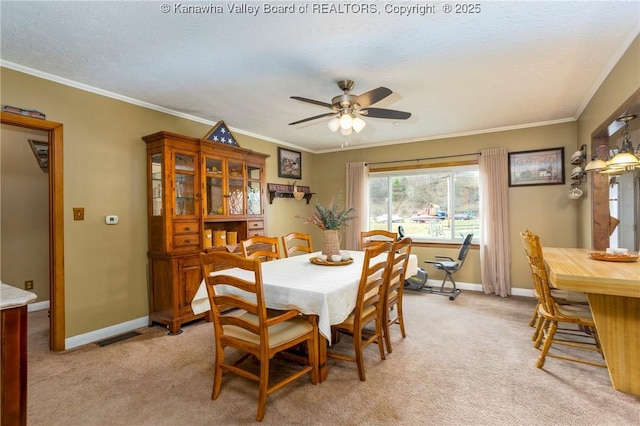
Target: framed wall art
[[289, 163], [539, 167]]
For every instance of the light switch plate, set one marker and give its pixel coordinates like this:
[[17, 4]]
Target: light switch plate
[[78, 213], [111, 219]]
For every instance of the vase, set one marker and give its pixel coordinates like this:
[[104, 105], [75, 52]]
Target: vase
[[331, 243]]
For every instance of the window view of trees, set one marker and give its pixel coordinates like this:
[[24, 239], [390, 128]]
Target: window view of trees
[[431, 205]]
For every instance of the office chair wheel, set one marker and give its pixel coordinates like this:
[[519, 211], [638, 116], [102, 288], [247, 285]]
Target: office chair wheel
[[452, 298]]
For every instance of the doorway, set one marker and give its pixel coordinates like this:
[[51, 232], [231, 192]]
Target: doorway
[[56, 225]]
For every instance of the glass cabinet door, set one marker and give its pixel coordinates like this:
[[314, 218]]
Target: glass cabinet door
[[235, 195], [254, 190], [184, 192], [214, 186], [156, 184]]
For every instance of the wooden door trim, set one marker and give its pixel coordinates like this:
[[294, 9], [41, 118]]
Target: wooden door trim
[[56, 222]]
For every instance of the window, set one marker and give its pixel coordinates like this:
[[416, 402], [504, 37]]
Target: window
[[432, 205]]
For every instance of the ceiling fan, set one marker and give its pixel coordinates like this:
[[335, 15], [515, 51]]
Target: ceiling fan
[[347, 108]]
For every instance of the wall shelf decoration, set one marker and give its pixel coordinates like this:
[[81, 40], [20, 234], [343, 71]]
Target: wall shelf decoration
[[277, 190], [578, 161]]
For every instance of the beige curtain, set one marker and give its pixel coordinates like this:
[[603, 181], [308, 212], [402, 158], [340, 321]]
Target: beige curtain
[[495, 250], [358, 198]]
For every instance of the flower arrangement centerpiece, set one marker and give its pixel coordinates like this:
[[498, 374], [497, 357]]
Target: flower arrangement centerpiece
[[331, 220]]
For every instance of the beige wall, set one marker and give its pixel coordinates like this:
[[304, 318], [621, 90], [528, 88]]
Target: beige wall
[[24, 227], [104, 172], [545, 210], [619, 85]]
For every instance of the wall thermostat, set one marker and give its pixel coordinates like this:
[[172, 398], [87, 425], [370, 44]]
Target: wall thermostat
[[111, 219]]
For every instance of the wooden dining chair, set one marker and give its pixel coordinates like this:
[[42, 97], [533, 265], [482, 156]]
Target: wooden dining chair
[[368, 308], [553, 313], [254, 332], [296, 242], [393, 289], [376, 236], [261, 247]]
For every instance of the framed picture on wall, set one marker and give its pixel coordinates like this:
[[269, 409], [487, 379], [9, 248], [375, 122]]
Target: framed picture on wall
[[289, 163], [539, 167]]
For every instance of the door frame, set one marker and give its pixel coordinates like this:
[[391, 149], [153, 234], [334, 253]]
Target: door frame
[[56, 223]]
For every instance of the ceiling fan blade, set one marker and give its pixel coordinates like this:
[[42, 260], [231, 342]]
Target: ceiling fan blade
[[372, 96], [385, 113], [312, 118], [311, 101]]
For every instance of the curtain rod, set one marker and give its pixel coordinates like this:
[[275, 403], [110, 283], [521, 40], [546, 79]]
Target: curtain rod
[[427, 158]]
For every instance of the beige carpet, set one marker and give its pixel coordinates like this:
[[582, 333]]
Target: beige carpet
[[464, 362]]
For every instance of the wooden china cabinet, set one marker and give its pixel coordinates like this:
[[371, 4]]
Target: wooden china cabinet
[[195, 188]]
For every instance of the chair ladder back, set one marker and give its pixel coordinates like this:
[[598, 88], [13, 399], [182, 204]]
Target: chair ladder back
[[398, 261], [376, 236], [256, 248], [221, 303], [533, 250], [296, 242], [372, 278]]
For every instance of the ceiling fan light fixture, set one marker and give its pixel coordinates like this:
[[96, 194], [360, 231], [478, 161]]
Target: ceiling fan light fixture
[[358, 124], [346, 121], [346, 132], [334, 124]]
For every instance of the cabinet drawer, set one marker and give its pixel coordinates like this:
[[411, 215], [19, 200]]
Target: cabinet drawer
[[255, 224], [186, 240], [256, 232], [186, 227]]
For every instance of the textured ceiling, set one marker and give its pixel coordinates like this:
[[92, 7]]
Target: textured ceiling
[[512, 64]]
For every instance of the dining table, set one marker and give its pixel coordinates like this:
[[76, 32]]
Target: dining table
[[326, 290], [613, 290]]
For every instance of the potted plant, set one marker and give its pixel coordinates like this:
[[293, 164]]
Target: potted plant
[[331, 219]]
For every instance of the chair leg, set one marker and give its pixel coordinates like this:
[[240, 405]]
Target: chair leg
[[543, 325], [357, 347], [380, 338], [387, 330], [263, 388], [534, 317], [548, 340], [217, 374], [401, 318], [538, 329]]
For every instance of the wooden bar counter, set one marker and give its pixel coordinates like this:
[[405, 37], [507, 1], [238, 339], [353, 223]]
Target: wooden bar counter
[[613, 289], [13, 306]]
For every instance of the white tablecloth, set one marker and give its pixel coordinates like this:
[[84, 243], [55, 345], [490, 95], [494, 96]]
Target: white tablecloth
[[296, 283]]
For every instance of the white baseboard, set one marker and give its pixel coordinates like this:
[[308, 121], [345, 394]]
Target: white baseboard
[[104, 333], [38, 306], [478, 287]]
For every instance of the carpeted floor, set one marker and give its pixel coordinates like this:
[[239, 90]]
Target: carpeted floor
[[464, 362]]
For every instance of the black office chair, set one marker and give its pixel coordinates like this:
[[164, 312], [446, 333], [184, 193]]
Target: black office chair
[[450, 267]]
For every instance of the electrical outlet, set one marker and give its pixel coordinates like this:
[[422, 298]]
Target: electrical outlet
[[28, 285]]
